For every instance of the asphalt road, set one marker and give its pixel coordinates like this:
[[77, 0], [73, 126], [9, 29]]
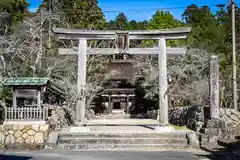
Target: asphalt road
[[103, 155]]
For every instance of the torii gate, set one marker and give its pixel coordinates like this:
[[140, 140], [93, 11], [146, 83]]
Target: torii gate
[[122, 46]]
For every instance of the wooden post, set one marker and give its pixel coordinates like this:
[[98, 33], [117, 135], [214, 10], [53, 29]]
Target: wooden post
[[38, 98], [214, 87], [127, 105], [81, 81], [14, 97], [109, 104], [163, 84]]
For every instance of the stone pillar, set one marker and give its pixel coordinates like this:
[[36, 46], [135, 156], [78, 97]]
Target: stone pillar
[[81, 81], [214, 125], [163, 125], [214, 87], [163, 84]]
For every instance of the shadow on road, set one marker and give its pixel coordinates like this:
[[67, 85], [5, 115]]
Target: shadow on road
[[230, 151], [11, 157]]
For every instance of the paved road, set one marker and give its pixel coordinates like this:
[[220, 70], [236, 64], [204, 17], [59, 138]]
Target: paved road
[[103, 155]]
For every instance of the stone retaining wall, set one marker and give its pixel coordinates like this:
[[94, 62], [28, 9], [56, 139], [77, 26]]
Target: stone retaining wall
[[192, 117], [17, 135], [197, 119]]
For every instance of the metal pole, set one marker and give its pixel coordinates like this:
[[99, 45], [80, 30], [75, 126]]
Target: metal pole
[[234, 58]]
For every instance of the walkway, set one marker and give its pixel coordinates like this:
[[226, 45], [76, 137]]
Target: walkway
[[122, 122], [105, 155]]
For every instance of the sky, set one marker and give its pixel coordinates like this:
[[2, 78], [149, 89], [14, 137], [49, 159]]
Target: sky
[[144, 9]]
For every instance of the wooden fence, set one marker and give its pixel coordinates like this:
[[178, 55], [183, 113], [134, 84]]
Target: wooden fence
[[26, 114]]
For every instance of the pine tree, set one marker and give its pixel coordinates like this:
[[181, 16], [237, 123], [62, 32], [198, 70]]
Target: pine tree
[[84, 14]]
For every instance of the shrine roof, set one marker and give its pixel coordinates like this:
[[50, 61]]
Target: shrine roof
[[25, 81], [33, 82], [119, 90]]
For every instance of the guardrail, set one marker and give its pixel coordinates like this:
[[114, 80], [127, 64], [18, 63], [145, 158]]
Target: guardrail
[[26, 114]]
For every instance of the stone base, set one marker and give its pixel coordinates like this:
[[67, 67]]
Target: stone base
[[164, 129], [215, 123], [79, 130]]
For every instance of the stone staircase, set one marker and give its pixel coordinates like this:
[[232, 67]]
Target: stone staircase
[[116, 114], [124, 141]]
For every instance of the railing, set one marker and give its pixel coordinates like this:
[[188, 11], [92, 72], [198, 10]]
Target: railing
[[26, 114]]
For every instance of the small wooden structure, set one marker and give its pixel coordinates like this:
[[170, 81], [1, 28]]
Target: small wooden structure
[[29, 96]]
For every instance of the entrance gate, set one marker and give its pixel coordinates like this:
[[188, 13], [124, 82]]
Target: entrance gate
[[122, 46]]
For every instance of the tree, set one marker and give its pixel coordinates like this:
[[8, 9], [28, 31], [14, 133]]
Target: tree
[[120, 23], [84, 14], [135, 25], [207, 33], [14, 11], [189, 74], [163, 20]]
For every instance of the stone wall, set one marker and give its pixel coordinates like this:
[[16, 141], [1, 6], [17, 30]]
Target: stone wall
[[17, 135], [192, 117], [227, 126]]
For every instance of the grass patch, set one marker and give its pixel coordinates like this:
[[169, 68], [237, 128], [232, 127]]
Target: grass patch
[[179, 127]]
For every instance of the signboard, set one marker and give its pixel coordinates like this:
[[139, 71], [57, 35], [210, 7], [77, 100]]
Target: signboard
[[26, 93]]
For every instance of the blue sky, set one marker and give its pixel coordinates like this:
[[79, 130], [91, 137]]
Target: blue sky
[[148, 6]]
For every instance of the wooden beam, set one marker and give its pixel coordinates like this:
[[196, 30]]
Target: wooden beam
[[174, 33], [132, 51]]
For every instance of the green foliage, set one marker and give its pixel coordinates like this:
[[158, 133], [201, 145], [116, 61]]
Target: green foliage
[[121, 23], [15, 10], [163, 20], [6, 95], [206, 29]]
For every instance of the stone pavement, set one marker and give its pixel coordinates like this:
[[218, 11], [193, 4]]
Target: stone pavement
[[120, 129], [121, 122], [105, 155]]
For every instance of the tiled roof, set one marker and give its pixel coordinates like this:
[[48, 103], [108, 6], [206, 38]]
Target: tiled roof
[[25, 81]]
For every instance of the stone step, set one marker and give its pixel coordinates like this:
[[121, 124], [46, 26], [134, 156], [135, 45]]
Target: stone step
[[211, 147], [71, 140], [219, 152], [229, 144], [122, 135], [113, 117], [118, 146], [115, 112]]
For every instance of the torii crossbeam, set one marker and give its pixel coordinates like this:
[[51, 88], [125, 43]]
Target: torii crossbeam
[[122, 46]]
